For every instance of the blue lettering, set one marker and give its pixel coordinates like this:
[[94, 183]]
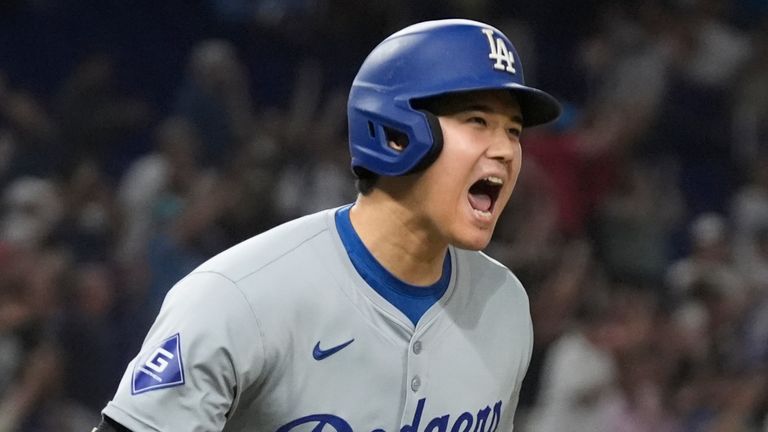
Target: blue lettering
[[496, 417], [465, 417], [336, 424], [463, 423], [439, 424], [482, 416], [414, 426]]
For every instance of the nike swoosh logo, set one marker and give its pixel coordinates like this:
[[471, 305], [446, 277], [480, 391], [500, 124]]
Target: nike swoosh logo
[[320, 354]]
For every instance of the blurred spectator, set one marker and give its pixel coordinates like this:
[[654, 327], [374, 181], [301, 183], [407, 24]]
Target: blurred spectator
[[314, 175], [754, 342], [188, 231], [717, 49], [689, 125], [749, 214], [757, 272], [268, 13], [175, 205], [90, 220], [526, 238], [28, 135], [172, 165], [94, 114], [579, 370], [631, 51], [640, 401], [555, 291], [640, 404], [750, 111], [557, 150], [254, 180], [600, 376], [31, 208], [31, 300], [634, 222], [709, 262], [215, 96], [90, 330]]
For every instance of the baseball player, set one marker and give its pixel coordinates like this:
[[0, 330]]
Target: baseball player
[[376, 316]]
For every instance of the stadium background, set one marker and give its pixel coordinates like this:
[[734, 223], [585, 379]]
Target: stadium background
[[138, 138]]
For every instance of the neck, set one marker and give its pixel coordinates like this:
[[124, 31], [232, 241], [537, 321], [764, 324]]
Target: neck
[[400, 240]]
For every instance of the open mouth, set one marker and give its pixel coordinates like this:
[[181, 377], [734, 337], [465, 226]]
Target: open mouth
[[484, 193]]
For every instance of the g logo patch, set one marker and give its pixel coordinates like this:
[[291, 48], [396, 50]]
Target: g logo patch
[[161, 369]]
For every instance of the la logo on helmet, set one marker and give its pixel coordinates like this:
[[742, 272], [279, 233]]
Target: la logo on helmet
[[504, 59]]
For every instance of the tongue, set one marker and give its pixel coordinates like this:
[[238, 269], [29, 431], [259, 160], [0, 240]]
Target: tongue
[[480, 201]]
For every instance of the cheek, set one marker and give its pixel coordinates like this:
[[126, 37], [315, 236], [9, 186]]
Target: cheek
[[454, 165], [444, 184], [514, 171], [442, 188], [460, 152]]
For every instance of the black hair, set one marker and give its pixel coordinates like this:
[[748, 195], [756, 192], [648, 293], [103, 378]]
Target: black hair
[[365, 181]]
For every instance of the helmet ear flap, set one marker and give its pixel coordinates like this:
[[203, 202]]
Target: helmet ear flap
[[437, 143]]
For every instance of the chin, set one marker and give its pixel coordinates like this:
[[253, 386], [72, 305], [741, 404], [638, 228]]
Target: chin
[[473, 242]]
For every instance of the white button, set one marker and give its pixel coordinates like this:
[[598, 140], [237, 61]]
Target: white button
[[415, 383], [417, 347]]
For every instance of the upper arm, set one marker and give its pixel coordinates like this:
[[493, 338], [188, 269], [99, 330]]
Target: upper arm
[[204, 346]]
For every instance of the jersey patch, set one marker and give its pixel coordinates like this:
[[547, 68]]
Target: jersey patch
[[163, 367]]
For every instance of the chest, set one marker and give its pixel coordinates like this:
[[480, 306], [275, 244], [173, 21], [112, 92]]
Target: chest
[[361, 369]]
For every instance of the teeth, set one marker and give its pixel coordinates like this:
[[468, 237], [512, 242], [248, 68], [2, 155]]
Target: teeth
[[485, 214], [494, 180]]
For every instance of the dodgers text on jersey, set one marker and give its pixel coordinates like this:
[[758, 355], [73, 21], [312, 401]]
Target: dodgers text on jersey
[[484, 420]]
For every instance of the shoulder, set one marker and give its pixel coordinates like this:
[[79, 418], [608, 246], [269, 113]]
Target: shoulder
[[486, 283], [267, 276], [261, 250], [489, 297], [485, 270]]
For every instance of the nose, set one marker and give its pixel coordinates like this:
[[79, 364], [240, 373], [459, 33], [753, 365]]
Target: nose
[[503, 147]]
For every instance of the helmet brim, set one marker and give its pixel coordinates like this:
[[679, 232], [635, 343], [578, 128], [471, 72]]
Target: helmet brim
[[538, 107]]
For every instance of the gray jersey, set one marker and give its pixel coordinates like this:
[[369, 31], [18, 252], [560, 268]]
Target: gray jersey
[[280, 333]]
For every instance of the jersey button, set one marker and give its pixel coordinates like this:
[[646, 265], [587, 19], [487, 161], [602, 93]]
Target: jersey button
[[417, 347], [415, 383]]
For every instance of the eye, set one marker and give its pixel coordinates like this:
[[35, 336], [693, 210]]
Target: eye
[[478, 120], [515, 132]]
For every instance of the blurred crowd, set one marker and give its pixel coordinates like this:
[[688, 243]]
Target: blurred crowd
[[139, 138]]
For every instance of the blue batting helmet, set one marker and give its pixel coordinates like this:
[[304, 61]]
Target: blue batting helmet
[[421, 61]]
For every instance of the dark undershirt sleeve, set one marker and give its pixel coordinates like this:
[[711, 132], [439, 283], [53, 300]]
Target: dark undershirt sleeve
[[109, 425]]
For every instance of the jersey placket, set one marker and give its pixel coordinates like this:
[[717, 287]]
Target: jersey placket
[[416, 381]]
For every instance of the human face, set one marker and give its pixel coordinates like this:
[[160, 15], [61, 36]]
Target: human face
[[462, 194]]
